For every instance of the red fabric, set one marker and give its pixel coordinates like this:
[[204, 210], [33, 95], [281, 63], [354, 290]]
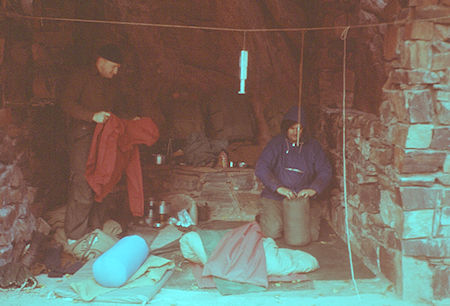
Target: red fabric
[[240, 257], [114, 151]]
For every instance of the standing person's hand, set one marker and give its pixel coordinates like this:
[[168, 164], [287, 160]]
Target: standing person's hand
[[101, 117], [286, 192], [306, 193]]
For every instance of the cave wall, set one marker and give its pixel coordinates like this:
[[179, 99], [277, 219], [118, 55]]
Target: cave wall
[[397, 94]]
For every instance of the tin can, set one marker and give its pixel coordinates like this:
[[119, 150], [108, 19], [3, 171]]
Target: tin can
[[223, 160], [159, 159], [242, 164]]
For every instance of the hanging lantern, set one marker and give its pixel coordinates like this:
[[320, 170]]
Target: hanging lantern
[[243, 63]]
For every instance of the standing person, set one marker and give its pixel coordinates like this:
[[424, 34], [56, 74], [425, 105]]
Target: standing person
[[291, 165], [90, 97]]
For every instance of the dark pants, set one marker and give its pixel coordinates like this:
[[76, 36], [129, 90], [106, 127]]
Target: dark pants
[[271, 218], [83, 214]]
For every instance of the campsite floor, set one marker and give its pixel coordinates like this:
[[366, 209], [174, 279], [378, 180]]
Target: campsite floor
[[330, 285]]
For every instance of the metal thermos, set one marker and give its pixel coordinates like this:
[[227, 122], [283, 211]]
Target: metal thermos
[[163, 212], [296, 221], [151, 212]]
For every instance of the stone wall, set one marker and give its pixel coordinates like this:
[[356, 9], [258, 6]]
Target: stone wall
[[16, 220], [398, 174], [232, 194]]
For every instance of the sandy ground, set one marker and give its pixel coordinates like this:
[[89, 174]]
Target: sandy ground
[[181, 297], [170, 296]]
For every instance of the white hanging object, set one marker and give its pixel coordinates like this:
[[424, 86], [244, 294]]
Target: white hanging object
[[243, 63]]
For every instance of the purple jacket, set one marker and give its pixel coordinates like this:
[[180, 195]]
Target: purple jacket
[[282, 164]]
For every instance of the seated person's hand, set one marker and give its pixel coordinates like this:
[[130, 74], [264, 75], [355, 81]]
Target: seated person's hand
[[101, 117], [286, 192], [306, 193]]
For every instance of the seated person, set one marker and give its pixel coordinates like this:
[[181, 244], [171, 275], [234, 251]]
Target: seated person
[[291, 165]]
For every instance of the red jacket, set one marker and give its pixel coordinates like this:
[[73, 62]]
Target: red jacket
[[114, 151]]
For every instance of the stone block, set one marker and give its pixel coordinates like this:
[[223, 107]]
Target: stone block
[[441, 282], [434, 247], [242, 181], [418, 30], [432, 11], [443, 95], [417, 55], [391, 265], [417, 76], [215, 177], [386, 113], [445, 217], [4, 194], [368, 248], [397, 134], [417, 279], [420, 105], [413, 198], [8, 215], [446, 167], [441, 139], [17, 195], [417, 223], [419, 136], [216, 195], [390, 44], [5, 176], [444, 231], [441, 32], [427, 180], [6, 237], [443, 112], [369, 195], [248, 203], [411, 161], [373, 129], [398, 76], [391, 239], [381, 155], [185, 182], [6, 254], [422, 2], [443, 178], [440, 61], [16, 179], [390, 212]]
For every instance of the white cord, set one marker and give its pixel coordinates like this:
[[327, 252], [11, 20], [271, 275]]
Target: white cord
[[344, 161]]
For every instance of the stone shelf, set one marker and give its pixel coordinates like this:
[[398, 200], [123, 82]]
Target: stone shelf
[[231, 193]]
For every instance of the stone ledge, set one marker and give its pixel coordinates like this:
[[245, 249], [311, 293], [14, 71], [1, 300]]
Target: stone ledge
[[231, 193], [428, 247]]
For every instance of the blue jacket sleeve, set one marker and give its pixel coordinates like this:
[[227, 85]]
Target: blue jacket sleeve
[[322, 168], [265, 165]]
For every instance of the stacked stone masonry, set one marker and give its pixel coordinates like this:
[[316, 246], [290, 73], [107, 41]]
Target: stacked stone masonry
[[398, 162], [232, 194], [16, 220]]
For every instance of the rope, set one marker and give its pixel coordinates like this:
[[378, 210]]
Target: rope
[[159, 25], [300, 83], [344, 160]]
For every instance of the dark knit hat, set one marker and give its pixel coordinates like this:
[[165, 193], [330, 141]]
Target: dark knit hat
[[111, 52]]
